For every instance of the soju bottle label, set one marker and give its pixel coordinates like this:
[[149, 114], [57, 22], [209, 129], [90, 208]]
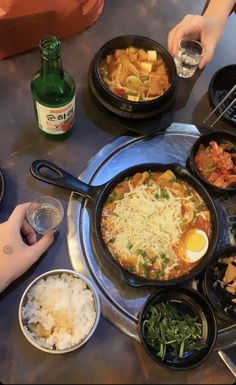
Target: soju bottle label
[[56, 120]]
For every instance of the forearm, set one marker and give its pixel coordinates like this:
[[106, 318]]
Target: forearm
[[220, 8], [6, 274]]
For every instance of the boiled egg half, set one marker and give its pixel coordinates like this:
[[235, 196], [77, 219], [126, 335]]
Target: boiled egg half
[[193, 245]]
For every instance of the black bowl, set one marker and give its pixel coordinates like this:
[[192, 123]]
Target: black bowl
[[187, 301], [219, 137], [221, 83], [120, 106], [218, 296]]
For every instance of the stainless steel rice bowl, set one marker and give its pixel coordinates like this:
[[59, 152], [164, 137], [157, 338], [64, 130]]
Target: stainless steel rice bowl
[[59, 311]]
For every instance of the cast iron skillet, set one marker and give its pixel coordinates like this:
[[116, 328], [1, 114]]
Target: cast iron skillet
[[97, 196]]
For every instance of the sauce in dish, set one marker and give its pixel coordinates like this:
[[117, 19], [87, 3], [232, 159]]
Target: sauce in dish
[[156, 226]]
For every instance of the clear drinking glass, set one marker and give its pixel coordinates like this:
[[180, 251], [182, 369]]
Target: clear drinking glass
[[44, 214], [188, 57]]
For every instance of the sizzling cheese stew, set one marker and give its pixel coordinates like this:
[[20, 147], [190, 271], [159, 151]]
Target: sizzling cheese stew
[[135, 74], [155, 225]]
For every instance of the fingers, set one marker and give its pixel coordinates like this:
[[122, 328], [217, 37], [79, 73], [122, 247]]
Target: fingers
[[35, 248], [209, 52], [18, 214], [28, 232], [172, 42], [38, 248], [191, 24]]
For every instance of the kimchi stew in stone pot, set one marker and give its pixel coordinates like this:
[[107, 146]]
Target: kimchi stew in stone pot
[[135, 74], [156, 225]]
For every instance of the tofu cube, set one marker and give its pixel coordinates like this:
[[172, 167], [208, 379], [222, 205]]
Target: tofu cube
[[152, 55], [133, 98], [146, 67]]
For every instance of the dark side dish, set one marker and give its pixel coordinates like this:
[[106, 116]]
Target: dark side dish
[[167, 329], [224, 284]]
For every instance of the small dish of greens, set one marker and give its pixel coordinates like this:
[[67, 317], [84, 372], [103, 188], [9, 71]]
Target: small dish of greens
[[177, 327]]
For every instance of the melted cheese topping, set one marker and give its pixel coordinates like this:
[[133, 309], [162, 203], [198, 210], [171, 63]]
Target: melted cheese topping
[[144, 224]]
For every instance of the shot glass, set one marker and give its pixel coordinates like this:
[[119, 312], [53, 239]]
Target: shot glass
[[45, 213], [188, 57]]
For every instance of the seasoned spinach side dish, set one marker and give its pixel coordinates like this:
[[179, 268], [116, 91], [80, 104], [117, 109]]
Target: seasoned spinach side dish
[[167, 329]]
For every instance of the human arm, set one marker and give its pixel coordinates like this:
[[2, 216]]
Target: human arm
[[15, 255], [207, 28]]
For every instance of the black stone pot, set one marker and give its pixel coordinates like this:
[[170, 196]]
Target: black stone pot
[[120, 106]]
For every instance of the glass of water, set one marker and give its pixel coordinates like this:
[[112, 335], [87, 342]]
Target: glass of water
[[45, 213], [188, 57]]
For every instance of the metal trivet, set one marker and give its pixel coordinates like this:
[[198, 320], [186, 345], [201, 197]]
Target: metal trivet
[[121, 303]]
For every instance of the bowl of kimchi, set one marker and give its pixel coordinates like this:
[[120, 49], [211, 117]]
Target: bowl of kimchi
[[212, 159], [133, 77]]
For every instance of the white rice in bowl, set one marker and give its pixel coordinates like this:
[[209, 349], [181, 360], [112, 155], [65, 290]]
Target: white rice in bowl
[[60, 311]]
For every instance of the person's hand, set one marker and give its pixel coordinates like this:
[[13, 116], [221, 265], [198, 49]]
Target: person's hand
[[206, 29], [15, 255]]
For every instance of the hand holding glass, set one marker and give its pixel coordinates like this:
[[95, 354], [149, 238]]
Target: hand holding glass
[[188, 57], [45, 214]]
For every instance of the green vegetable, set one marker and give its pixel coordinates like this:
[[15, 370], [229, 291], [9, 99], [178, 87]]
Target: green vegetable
[[129, 245], [163, 256], [133, 83], [153, 259], [154, 276], [119, 197], [131, 268], [189, 191], [167, 328], [141, 252], [164, 195], [201, 207]]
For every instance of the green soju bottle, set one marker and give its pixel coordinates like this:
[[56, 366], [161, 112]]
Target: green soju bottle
[[53, 92]]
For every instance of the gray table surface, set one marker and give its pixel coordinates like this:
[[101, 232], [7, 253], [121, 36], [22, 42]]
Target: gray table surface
[[110, 356]]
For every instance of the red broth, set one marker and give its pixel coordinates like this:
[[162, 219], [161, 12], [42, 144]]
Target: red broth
[[135, 74]]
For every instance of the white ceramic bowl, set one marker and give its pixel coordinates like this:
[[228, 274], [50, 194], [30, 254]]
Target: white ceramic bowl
[[32, 336]]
